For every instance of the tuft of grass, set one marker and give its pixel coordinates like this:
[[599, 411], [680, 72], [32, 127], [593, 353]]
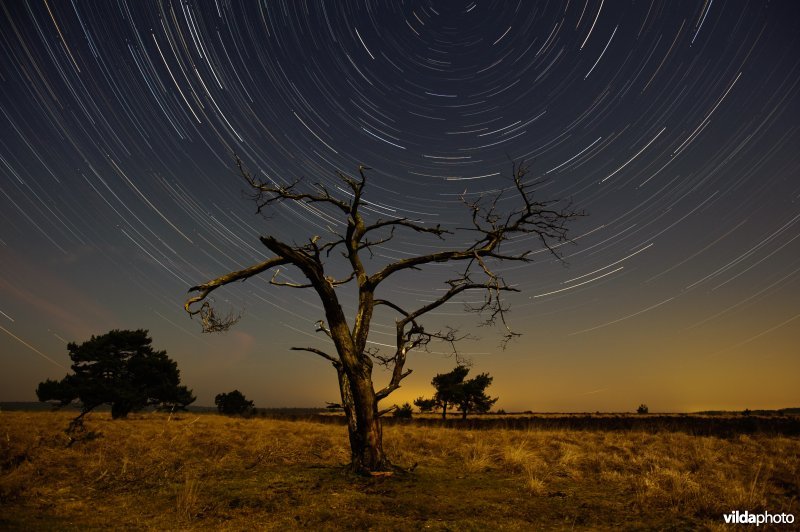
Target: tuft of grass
[[187, 502], [533, 482], [517, 456], [477, 456]]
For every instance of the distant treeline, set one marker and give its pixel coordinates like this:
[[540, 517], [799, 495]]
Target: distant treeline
[[699, 425], [32, 406], [785, 421], [779, 412]]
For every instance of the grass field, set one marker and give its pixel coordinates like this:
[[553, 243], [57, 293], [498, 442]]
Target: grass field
[[204, 471]]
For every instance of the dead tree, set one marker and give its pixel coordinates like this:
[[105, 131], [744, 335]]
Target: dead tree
[[492, 225]]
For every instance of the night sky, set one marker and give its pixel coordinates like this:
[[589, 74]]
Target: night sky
[[674, 125]]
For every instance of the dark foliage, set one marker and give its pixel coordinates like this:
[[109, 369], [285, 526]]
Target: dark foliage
[[121, 369], [233, 404], [425, 405], [451, 389], [403, 412], [642, 409], [473, 396]]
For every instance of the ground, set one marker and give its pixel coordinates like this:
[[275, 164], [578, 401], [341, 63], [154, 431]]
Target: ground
[[206, 471]]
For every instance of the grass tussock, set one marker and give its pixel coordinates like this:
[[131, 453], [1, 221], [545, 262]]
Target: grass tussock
[[211, 472]]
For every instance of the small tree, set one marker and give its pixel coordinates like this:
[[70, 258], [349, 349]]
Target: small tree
[[233, 404], [403, 412], [448, 388], [119, 368], [473, 396], [452, 389], [425, 405], [642, 409]]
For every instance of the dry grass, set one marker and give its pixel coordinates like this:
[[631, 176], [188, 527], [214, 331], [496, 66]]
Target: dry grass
[[211, 472]]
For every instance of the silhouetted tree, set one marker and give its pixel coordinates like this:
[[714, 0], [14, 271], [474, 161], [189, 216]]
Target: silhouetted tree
[[233, 404], [403, 412], [452, 389], [473, 396], [425, 405], [642, 409], [119, 368], [354, 232], [449, 389]]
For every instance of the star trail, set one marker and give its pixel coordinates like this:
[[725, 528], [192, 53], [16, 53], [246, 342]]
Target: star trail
[[674, 125]]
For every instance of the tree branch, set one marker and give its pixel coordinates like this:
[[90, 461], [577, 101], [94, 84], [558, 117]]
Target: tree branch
[[387, 410], [336, 363], [532, 217], [392, 386], [405, 222], [290, 285], [211, 323], [268, 193], [415, 336]]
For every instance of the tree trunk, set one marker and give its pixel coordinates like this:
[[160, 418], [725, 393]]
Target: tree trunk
[[363, 424], [120, 409], [444, 410]]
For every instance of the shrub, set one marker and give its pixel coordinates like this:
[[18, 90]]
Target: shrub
[[403, 412], [233, 404]]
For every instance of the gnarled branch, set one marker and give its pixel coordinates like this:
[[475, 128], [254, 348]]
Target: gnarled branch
[[267, 193], [532, 217], [211, 323], [335, 361]]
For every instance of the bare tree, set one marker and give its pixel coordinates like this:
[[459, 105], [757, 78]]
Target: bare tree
[[492, 225]]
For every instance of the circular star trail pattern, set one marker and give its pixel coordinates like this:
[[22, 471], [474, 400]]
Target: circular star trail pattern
[[673, 125]]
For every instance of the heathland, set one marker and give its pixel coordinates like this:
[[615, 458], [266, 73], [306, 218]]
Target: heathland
[[206, 471]]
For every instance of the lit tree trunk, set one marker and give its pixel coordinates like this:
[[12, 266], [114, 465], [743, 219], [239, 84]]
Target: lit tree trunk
[[363, 424], [366, 438]]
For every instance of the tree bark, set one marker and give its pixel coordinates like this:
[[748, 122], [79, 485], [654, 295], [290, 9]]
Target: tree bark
[[363, 423]]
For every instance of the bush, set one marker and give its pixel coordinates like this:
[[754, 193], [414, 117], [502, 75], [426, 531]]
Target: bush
[[642, 409], [233, 404], [403, 412]]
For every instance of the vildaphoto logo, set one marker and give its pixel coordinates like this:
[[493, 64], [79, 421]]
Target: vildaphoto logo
[[764, 518]]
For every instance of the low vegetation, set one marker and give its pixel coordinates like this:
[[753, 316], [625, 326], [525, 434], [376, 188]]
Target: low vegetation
[[468, 396], [234, 404], [207, 471]]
